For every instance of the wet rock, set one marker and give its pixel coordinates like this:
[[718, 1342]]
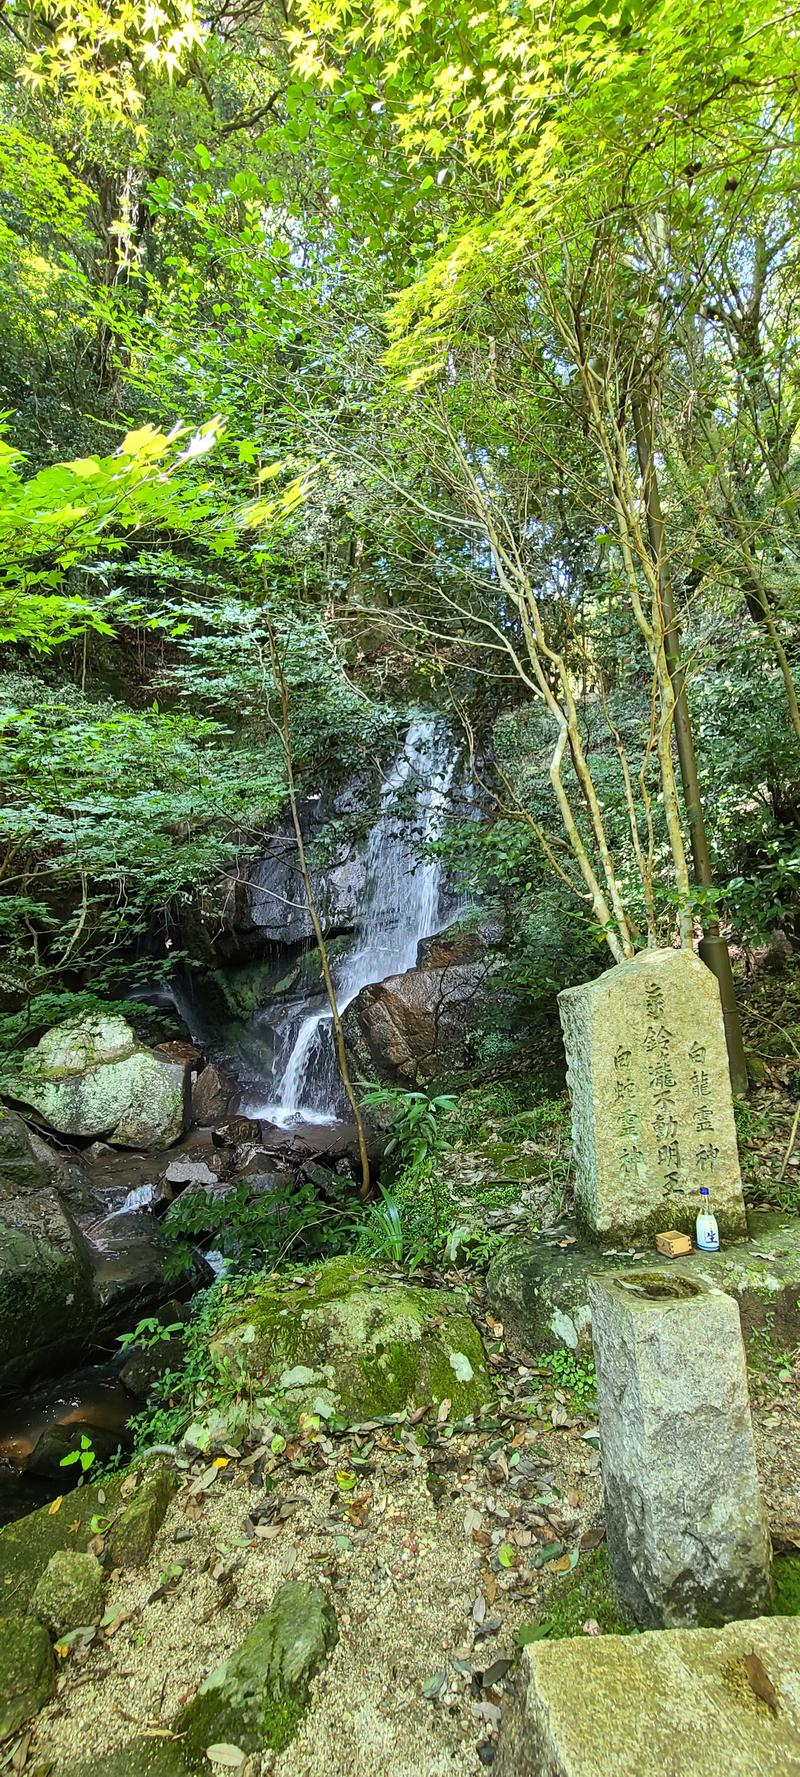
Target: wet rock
[[132, 1535], [257, 1699], [27, 1675], [412, 1027], [69, 1594], [91, 1077], [215, 1095], [459, 943], [46, 1282], [237, 1129], [177, 1050], [351, 1340], [130, 1268], [58, 1441]]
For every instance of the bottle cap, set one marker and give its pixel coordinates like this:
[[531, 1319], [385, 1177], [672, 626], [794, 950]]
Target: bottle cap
[[704, 1190]]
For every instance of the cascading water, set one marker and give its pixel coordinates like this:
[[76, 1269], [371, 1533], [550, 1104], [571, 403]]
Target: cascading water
[[401, 904]]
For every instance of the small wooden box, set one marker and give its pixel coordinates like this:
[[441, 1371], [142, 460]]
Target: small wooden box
[[673, 1244]]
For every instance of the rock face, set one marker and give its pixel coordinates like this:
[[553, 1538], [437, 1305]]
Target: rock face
[[257, 1699], [687, 1535], [352, 1341], [652, 1112], [539, 1288], [46, 1279], [132, 1535], [656, 1704], [215, 1096], [414, 1026], [26, 1671], [69, 1594], [90, 1077]]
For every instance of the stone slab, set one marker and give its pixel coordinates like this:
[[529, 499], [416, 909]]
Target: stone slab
[[670, 1703], [685, 1524], [539, 1288], [652, 1110]]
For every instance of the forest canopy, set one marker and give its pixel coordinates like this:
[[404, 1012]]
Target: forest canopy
[[395, 356]]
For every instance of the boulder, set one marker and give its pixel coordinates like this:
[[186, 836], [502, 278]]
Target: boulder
[[134, 1532], [673, 1701], [352, 1341], [130, 1268], [27, 1675], [27, 1545], [257, 1698], [69, 1594], [215, 1095], [47, 1293], [91, 1077], [413, 1027]]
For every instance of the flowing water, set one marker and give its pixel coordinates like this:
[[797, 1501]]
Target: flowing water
[[401, 903]]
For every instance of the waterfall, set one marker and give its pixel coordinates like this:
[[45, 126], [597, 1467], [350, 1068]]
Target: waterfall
[[399, 906]]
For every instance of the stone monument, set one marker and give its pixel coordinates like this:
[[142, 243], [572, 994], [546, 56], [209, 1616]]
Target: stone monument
[[652, 1110], [687, 1535]]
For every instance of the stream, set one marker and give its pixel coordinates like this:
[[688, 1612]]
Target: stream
[[288, 1072]]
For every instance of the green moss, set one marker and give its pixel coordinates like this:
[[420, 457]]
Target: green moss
[[584, 1595], [786, 1582], [136, 1529], [26, 1671], [27, 1545]]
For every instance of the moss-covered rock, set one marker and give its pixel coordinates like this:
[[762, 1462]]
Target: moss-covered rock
[[27, 1545], [352, 1341], [135, 1530], [141, 1757], [69, 1593], [26, 1671], [257, 1698]]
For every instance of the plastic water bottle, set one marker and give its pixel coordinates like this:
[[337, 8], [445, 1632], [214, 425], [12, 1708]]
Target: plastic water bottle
[[707, 1230]]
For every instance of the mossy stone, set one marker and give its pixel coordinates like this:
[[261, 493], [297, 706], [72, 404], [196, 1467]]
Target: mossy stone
[[27, 1674], [587, 1594], [256, 1699], [27, 1545], [351, 1340], [141, 1757], [135, 1531], [69, 1593], [786, 1585]]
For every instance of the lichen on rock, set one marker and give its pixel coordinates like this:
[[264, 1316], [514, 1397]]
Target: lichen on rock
[[69, 1594], [351, 1340]]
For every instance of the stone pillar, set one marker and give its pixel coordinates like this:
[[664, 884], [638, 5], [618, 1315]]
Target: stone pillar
[[687, 1535], [652, 1112]]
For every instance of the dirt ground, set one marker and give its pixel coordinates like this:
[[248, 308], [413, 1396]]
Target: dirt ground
[[435, 1557]]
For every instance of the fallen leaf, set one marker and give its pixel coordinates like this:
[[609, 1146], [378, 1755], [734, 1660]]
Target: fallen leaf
[[760, 1682], [55, 1506], [223, 1754], [591, 1627], [444, 1411], [507, 1555], [434, 1686], [495, 1673], [594, 1536], [561, 1565], [559, 1415], [479, 1608], [220, 1462]]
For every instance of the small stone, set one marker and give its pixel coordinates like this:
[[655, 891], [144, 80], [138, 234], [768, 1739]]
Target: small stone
[[27, 1674], [652, 1109], [132, 1536], [257, 1698], [69, 1594], [190, 1172], [686, 1530]]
